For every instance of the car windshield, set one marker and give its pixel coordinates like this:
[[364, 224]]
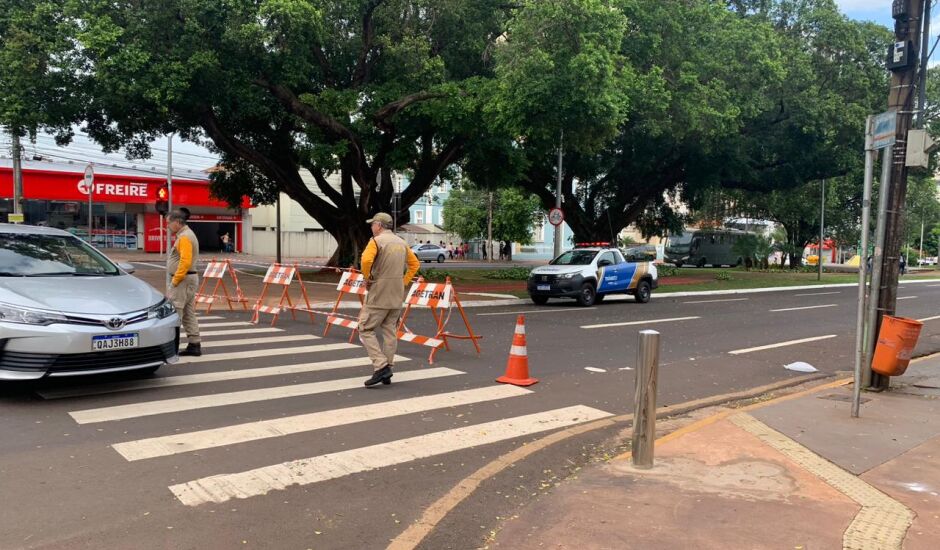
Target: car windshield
[[685, 239], [24, 255], [575, 257]]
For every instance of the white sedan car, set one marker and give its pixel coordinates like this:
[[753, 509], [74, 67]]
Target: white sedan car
[[67, 310], [430, 252]]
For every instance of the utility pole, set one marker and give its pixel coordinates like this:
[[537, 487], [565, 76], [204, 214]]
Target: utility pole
[[17, 173], [822, 227], [558, 228], [278, 228], [908, 22], [489, 230], [169, 184]]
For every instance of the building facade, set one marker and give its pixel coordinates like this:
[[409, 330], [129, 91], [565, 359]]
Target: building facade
[[121, 212]]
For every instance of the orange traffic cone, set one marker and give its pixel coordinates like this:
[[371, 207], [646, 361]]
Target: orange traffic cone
[[517, 368]]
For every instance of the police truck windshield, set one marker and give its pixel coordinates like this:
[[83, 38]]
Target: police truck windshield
[[575, 257]]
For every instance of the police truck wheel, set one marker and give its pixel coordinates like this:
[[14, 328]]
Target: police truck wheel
[[587, 295], [701, 262], [539, 300], [599, 298], [440, 258], [643, 292]]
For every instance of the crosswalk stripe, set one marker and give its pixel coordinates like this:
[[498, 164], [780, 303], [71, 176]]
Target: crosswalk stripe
[[256, 341], [260, 481], [646, 322], [150, 408], [210, 317], [225, 324], [236, 332], [253, 431], [248, 354], [186, 379]]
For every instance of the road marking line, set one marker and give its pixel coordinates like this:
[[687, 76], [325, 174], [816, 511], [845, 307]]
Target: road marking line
[[489, 295], [550, 310], [932, 286], [236, 332], [817, 294], [907, 297], [210, 317], [260, 481], [647, 322], [158, 266], [594, 369], [264, 353], [254, 431], [225, 324], [934, 318], [263, 340], [782, 344], [802, 308], [150, 408], [712, 301], [186, 379]]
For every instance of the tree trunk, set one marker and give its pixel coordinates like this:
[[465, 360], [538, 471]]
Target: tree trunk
[[351, 240]]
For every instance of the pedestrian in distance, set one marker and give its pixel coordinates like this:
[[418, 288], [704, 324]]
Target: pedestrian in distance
[[450, 251], [388, 265], [226, 243], [182, 279], [903, 265]]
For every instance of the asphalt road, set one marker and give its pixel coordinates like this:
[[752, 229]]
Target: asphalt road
[[258, 444]]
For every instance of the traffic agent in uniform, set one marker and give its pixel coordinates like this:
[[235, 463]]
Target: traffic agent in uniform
[[388, 265], [182, 279]]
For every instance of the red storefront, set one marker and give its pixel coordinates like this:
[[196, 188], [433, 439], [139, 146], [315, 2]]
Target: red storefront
[[122, 213]]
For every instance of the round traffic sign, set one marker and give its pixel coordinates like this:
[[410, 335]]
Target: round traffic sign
[[89, 179], [556, 216]]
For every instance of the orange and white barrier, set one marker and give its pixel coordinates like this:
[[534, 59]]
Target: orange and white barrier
[[279, 275], [217, 270], [435, 296], [351, 282]]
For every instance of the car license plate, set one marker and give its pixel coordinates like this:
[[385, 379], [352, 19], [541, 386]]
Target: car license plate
[[544, 287], [112, 342]]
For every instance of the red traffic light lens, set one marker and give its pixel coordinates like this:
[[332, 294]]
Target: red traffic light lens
[[163, 194]]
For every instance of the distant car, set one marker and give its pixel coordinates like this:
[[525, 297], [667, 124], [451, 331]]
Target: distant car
[[589, 273], [927, 261], [67, 310], [430, 252], [640, 253]]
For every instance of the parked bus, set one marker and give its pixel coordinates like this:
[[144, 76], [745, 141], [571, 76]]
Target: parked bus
[[701, 247]]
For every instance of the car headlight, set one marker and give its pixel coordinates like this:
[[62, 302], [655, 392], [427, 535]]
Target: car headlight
[[28, 316], [162, 310], [568, 275]]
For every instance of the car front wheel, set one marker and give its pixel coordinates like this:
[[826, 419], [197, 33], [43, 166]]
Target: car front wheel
[[587, 295], [539, 300], [440, 258], [643, 292]]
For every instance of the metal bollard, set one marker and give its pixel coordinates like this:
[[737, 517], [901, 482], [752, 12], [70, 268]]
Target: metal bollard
[[644, 415]]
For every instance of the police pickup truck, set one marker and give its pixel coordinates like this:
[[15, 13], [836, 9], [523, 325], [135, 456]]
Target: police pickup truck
[[588, 273]]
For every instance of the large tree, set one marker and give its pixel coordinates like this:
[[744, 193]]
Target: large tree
[[356, 89], [514, 213]]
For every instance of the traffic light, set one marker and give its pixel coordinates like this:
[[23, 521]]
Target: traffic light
[[163, 197]]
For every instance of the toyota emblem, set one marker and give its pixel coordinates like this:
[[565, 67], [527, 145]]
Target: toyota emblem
[[115, 323]]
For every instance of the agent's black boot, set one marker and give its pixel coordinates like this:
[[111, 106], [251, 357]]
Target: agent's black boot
[[382, 375], [193, 350]]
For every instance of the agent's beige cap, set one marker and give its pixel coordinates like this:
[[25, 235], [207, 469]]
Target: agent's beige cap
[[381, 217]]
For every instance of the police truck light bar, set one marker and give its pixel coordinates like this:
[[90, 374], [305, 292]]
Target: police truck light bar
[[590, 245]]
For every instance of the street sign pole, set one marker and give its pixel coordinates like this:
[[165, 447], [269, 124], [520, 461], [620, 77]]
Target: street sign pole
[[90, 186], [558, 228], [169, 184]]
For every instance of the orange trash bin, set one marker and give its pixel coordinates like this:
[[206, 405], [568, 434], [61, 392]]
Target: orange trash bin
[[896, 341]]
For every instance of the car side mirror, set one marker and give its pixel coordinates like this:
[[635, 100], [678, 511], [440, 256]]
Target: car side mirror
[[604, 263], [127, 268]]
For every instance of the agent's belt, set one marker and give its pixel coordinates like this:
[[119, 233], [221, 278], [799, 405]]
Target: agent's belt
[[192, 272]]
